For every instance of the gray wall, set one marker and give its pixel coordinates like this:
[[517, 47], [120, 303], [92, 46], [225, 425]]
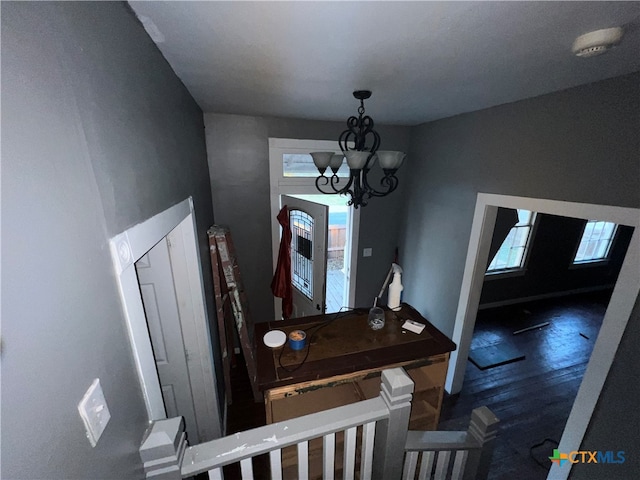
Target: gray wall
[[549, 268], [616, 419], [238, 149], [579, 145], [98, 135]]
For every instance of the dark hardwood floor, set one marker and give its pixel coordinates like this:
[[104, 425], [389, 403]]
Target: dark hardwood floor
[[532, 397], [244, 414]]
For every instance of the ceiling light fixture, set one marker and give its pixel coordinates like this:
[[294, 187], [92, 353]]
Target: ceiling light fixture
[[597, 42], [359, 144]]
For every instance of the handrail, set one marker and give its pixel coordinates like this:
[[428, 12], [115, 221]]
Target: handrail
[[388, 448], [250, 443], [469, 451]]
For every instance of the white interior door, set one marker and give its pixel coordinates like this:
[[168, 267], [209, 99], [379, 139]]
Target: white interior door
[[309, 226], [158, 293]]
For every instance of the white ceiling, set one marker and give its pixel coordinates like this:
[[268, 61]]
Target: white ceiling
[[422, 60]]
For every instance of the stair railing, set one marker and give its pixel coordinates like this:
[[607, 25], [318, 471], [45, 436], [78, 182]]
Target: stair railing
[[373, 434]]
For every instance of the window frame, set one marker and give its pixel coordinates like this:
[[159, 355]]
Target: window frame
[[520, 270]]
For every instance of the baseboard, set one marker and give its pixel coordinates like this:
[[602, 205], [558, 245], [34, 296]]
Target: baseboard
[[544, 296]]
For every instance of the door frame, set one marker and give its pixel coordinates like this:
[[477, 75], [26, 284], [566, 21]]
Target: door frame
[[178, 222], [625, 293], [280, 185]]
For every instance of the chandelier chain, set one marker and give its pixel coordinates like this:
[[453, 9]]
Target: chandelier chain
[[361, 108]]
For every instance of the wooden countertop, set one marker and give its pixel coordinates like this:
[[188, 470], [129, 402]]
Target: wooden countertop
[[342, 343]]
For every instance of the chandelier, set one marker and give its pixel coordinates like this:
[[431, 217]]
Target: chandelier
[[359, 144]]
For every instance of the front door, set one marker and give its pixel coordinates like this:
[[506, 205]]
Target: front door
[[161, 309], [308, 221]]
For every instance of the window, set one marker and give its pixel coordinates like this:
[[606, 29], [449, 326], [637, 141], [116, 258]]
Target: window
[[302, 252], [301, 165], [512, 253], [596, 241]]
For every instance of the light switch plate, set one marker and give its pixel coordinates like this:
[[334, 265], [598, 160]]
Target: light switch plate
[[367, 252], [94, 412]]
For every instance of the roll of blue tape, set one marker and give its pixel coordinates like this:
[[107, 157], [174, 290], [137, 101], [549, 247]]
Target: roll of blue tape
[[297, 339]]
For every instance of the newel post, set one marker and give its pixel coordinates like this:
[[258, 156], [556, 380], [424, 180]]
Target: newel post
[[162, 449], [483, 429], [391, 434]]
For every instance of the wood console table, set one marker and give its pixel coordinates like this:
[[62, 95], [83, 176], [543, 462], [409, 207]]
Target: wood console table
[[344, 362]]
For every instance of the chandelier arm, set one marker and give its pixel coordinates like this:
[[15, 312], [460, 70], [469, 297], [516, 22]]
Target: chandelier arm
[[354, 193], [389, 182], [351, 131], [341, 191], [362, 189], [357, 188], [343, 139], [331, 182], [366, 129], [358, 129]]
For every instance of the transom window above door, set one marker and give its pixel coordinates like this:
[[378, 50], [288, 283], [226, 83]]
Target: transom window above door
[[301, 165], [291, 165]]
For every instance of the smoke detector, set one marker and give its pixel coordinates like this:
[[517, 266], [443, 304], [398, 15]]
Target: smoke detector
[[597, 42]]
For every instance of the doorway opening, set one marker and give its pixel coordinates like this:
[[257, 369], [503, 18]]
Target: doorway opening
[[339, 251], [622, 301], [537, 323], [131, 246], [292, 173]]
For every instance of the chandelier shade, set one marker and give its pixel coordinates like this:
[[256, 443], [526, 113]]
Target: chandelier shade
[[322, 160], [357, 160], [336, 162], [359, 144], [390, 160]]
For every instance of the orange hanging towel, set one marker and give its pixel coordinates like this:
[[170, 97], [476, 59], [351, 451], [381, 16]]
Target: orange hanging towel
[[281, 283]]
